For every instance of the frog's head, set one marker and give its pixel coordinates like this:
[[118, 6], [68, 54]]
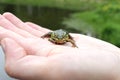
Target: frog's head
[[59, 36]]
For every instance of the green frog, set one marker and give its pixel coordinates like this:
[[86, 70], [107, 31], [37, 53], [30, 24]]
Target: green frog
[[59, 37]]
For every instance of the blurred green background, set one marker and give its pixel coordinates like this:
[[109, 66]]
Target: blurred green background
[[96, 18]]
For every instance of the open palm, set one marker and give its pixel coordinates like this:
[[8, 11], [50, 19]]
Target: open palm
[[32, 58]]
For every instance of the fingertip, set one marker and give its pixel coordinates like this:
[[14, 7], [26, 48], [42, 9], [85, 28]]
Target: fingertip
[[11, 17], [7, 13]]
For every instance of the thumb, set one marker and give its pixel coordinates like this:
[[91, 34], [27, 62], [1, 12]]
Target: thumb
[[12, 50]]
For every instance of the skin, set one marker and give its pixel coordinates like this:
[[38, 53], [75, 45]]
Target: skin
[[28, 59]]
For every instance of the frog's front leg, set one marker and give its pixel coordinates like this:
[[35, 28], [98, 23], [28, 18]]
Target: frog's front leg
[[72, 42], [51, 40], [46, 35]]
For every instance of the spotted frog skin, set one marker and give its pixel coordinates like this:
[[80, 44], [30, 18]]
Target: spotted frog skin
[[59, 37]]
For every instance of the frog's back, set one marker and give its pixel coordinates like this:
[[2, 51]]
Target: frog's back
[[60, 33]]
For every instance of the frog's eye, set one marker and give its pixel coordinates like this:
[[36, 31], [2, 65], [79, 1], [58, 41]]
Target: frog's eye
[[52, 35], [66, 36]]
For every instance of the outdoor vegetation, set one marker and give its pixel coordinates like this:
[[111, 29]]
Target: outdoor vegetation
[[97, 18], [102, 22]]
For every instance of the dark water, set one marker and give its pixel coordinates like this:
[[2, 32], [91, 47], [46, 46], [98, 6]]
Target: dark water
[[47, 17]]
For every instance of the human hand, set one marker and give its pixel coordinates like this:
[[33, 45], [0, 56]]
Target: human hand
[[29, 57]]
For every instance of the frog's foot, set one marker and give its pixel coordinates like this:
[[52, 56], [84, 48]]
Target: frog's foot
[[46, 35], [51, 40], [72, 42], [74, 45]]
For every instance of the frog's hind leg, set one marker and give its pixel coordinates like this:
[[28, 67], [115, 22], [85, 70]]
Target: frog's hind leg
[[72, 42], [46, 35], [70, 37]]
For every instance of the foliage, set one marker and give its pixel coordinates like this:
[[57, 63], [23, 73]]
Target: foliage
[[63, 4], [103, 22]]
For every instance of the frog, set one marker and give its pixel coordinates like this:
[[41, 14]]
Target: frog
[[59, 37]]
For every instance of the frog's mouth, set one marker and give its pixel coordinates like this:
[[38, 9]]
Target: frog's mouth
[[60, 42]]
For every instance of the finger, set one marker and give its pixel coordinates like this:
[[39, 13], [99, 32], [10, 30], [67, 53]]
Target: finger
[[37, 27], [8, 25], [31, 45], [4, 33], [17, 61], [26, 42], [12, 50], [13, 53], [19, 24]]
